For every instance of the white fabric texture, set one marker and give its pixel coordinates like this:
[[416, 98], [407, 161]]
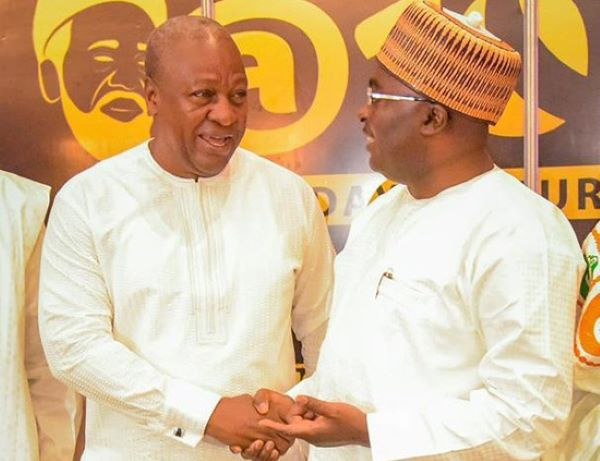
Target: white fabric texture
[[161, 294], [452, 324], [37, 411]]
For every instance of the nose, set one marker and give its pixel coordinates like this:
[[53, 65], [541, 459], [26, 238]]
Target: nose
[[125, 78], [223, 112], [363, 113]]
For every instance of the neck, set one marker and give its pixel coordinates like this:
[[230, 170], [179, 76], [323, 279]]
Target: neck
[[166, 157], [455, 170]]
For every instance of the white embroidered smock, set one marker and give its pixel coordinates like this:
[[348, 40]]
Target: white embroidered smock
[[161, 294], [452, 324], [37, 413]]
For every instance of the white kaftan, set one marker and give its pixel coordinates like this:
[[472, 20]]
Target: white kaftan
[[161, 294], [38, 419], [452, 324]]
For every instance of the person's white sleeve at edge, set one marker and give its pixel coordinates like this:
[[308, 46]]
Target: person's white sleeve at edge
[[313, 285], [76, 329], [56, 408], [523, 297]]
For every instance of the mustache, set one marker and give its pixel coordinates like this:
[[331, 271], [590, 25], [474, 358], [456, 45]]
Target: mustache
[[113, 95], [107, 85]]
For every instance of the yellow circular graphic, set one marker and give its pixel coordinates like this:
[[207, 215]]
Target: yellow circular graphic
[[332, 62]]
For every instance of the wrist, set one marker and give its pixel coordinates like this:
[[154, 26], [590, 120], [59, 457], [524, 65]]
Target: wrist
[[213, 426], [362, 434]]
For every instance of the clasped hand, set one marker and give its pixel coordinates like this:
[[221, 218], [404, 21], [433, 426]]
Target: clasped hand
[[235, 422], [318, 422]]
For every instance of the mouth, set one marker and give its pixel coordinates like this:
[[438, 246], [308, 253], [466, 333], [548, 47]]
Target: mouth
[[369, 138], [217, 142], [122, 109]]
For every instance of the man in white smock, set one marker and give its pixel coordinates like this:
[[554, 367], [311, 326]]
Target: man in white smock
[[174, 273]]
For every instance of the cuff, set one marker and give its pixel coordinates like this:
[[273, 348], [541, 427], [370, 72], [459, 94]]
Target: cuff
[[187, 410]]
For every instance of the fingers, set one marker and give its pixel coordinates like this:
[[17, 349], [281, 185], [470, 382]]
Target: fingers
[[260, 451], [280, 428], [269, 452], [298, 411], [253, 451], [261, 401], [313, 406]]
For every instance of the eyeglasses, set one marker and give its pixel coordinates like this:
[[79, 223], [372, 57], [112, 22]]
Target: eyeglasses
[[374, 96]]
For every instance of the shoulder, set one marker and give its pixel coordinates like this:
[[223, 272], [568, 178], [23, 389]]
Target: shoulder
[[282, 184], [13, 186], [267, 169], [509, 209], [122, 167], [23, 205], [520, 205], [21, 196]]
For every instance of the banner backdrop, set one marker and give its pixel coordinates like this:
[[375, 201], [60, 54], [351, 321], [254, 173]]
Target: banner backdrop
[[73, 73]]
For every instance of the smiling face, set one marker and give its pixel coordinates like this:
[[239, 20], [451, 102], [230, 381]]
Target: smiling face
[[198, 100], [393, 130]]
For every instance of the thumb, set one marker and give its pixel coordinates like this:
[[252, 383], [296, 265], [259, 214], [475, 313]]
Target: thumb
[[314, 405], [261, 401]]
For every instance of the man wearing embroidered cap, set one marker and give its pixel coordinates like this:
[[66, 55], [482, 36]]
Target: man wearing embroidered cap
[[452, 321]]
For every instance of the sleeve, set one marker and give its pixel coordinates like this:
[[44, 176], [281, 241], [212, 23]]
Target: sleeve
[[522, 291], [75, 322], [311, 346], [313, 286], [587, 337], [55, 406]]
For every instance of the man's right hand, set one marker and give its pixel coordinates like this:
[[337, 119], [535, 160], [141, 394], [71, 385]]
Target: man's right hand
[[272, 405], [234, 422]]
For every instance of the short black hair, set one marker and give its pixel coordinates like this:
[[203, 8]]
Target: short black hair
[[174, 29]]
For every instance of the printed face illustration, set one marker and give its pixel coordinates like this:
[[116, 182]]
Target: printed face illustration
[[100, 76]]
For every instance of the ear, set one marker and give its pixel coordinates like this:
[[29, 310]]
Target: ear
[[436, 119], [151, 93], [49, 81]]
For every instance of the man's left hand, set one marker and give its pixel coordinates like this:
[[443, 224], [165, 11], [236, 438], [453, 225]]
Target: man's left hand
[[329, 424]]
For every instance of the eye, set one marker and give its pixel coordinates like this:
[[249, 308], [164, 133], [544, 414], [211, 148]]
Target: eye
[[103, 58], [239, 96], [203, 94]]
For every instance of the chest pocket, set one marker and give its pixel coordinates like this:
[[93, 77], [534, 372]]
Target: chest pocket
[[403, 302]]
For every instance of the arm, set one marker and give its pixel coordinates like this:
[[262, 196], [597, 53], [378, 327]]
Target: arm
[[76, 330], [57, 409], [314, 282]]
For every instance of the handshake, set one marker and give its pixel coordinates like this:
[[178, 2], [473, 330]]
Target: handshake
[[263, 427]]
